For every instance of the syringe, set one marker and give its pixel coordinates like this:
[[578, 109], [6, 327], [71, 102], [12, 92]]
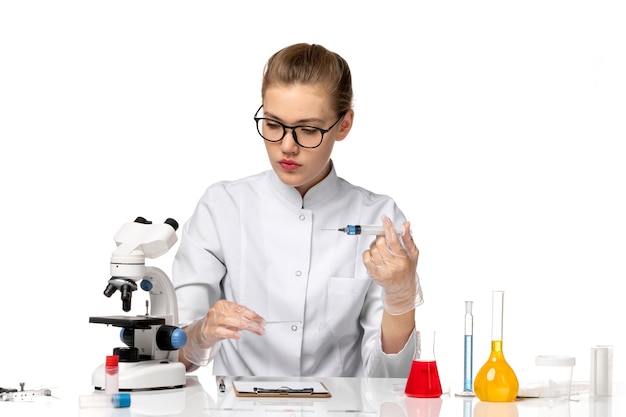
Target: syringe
[[365, 230]]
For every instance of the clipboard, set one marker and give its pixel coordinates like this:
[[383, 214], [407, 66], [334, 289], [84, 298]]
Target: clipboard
[[288, 389]]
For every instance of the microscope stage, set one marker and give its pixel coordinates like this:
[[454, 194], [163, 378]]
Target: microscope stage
[[132, 322]]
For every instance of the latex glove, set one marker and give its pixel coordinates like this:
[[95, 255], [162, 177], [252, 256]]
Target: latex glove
[[198, 350], [224, 320], [392, 264]]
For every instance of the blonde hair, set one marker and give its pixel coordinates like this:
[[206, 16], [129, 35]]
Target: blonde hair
[[311, 64]]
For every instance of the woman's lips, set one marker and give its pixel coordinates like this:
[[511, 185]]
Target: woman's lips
[[288, 164]]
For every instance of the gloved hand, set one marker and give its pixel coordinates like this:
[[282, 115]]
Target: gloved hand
[[223, 321], [392, 264], [403, 298], [198, 350]]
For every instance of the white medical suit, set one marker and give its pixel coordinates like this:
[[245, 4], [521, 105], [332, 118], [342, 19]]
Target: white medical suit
[[258, 243]]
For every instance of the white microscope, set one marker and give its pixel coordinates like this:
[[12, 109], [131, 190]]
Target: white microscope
[[150, 358]]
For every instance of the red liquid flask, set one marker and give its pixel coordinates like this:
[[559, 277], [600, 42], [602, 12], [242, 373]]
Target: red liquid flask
[[423, 380]]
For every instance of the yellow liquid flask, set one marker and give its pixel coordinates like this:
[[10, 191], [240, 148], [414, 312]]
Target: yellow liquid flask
[[496, 381]]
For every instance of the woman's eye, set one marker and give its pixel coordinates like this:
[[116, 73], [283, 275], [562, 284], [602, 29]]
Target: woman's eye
[[272, 125], [309, 131]]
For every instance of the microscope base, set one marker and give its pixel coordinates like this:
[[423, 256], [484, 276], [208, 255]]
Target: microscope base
[[150, 374]]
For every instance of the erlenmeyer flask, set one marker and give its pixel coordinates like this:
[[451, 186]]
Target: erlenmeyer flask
[[423, 380], [496, 381]]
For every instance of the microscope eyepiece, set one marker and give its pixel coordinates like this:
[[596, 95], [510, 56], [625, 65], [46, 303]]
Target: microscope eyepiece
[[169, 221], [172, 223]]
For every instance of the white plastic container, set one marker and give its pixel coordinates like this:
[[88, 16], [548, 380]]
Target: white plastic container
[[554, 375], [601, 377]]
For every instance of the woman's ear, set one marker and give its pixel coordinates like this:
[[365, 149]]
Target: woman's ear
[[345, 125]]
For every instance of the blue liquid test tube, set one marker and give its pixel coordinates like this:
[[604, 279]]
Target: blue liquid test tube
[[469, 336], [468, 390]]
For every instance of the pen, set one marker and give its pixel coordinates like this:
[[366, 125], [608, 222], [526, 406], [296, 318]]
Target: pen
[[220, 385], [283, 390]]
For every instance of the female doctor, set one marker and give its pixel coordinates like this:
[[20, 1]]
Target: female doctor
[[263, 287]]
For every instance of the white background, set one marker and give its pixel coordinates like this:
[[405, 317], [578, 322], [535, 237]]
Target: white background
[[498, 127]]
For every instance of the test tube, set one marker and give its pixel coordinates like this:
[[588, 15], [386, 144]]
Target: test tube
[[469, 347], [120, 400], [111, 374], [468, 352]]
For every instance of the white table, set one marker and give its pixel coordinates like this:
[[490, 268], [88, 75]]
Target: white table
[[351, 397]]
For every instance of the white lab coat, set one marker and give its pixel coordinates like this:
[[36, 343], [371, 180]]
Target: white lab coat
[[258, 243]]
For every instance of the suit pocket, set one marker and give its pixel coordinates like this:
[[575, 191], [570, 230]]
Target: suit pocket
[[345, 302]]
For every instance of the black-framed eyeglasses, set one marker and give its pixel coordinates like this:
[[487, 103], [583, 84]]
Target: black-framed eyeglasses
[[305, 136]]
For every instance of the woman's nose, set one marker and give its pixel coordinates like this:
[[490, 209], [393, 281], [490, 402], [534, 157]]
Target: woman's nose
[[289, 144]]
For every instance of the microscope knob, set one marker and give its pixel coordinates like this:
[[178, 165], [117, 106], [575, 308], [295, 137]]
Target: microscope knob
[[146, 285], [127, 354], [170, 337]]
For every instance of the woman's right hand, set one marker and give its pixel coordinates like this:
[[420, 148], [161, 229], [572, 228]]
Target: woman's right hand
[[226, 319]]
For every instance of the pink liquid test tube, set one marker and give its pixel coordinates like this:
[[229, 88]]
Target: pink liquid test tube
[[112, 374]]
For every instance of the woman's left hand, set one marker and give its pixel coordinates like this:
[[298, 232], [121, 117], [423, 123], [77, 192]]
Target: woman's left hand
[[392, 264]]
